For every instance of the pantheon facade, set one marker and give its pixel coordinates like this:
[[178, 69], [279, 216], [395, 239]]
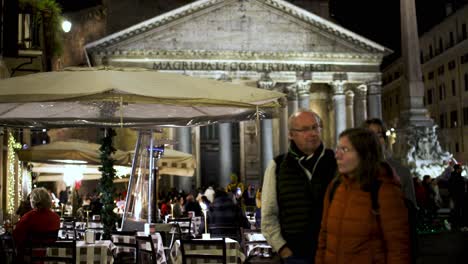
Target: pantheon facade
[[269, 44]]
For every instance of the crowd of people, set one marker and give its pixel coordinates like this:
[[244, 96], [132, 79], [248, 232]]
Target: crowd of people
[[354, 204]]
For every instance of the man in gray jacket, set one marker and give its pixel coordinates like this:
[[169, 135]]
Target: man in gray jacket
[[404, 174], [293, 190]]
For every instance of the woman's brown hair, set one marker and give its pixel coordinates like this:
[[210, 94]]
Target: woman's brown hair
[[368, 148]]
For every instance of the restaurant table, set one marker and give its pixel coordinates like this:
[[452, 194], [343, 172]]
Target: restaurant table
[[196, 222], [80, 228], [98, 252], [233, 252], [194, 228], [157, 241], [257, 249]]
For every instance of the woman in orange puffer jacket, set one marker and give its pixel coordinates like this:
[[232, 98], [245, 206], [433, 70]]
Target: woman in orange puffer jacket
[[351, 231]]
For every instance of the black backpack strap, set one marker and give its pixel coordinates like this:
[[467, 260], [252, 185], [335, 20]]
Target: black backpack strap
[[335, 183]]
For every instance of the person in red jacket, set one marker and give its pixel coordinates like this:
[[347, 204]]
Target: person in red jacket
[[353, 229], [39, 219]]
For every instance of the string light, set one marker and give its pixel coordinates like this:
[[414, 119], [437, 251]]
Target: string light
[[13, 168]]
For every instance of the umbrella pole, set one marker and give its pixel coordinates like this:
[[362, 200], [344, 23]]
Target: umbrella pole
[[156, 153], [151, 180], [159, 153]]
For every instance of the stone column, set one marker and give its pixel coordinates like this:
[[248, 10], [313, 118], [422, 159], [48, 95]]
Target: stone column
[[303, 94], [197, 154], [266, 132], [413, 111], [184, 144], [375, 99], [349, 109], [360, 105], [339, 105], [225, 153], [283, 135], [293, 104]]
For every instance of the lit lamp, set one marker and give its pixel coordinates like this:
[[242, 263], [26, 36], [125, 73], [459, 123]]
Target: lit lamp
[[172, 210], [391, 135], [66, 26], [72, 174], [206, 235]]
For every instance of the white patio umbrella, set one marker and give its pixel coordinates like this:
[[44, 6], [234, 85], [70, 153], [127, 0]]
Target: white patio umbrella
[[85, 97], [128, 98], [79, 152]]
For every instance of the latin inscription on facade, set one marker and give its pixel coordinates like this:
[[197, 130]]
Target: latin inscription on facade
[[238, 66]]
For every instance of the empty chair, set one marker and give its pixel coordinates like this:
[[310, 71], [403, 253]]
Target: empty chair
[[191, 250], [7, 249], [169, 233], [185, 225], [256, 248], [44, 247], [67, 229], [125, 242], [145, 250]]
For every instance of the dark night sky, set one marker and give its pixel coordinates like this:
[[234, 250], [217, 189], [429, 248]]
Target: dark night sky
[[377, 20], [380, 20]]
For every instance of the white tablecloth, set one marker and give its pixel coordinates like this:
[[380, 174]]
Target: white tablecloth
[[233, 252], [261, 249], [157, 241], [98, 252], [195, 225]]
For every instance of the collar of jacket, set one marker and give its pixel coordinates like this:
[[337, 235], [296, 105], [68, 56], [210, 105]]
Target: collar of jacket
[[295, 152]]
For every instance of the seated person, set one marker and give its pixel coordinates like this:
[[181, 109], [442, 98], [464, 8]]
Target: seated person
[[225, 218], [39, 219], [81, 213], [178, 207], [24, 207], [192, 206]]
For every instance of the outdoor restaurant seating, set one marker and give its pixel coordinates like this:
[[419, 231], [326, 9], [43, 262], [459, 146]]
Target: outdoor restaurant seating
[[191, 250], [184, 225], [67, 229], [145, 250], [256, 248], [7, 248], [168, 234], [220, 231], [39, 244], [125, 242]]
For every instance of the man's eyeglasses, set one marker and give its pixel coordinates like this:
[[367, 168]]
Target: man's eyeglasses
[[314, 128], [343, 150]]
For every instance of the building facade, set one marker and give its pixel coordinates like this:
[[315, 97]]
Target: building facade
[[444, 64], [270, 44]]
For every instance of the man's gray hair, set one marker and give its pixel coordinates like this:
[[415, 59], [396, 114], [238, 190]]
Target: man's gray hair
[[303, 110], [40, 199]]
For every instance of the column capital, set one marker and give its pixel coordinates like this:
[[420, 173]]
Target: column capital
[[303, 87], [338, 86], [374, 87], [266, 82], [349, 97], [291, 92], [361, 90]]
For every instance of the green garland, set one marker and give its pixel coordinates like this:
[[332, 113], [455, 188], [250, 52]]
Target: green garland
[[106, 187]]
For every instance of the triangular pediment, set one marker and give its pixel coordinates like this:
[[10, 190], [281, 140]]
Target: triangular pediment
[[239, 26]]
